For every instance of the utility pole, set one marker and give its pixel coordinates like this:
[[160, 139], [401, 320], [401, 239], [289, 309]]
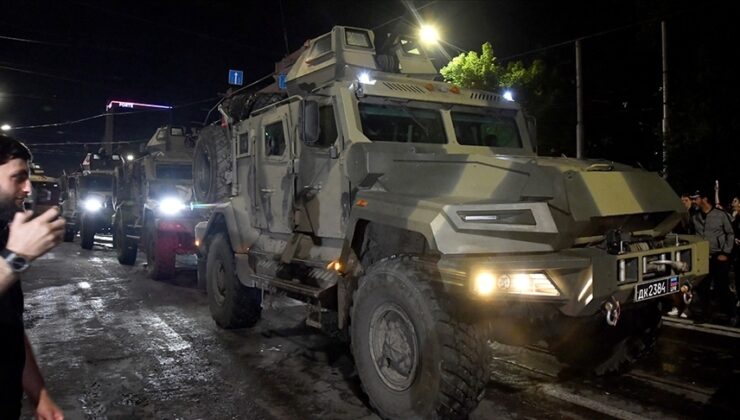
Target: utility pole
[[664, 54], [579, 103]]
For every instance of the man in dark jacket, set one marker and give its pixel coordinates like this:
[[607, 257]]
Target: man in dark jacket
[[22, 240], [715, 226]]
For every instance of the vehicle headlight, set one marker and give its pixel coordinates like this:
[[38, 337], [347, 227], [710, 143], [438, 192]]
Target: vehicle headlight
[[171, 206], [93, 204], [487, 283]]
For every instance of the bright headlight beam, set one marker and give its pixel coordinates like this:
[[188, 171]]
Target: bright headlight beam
[[485, 283], [171, 205], [93, 204]]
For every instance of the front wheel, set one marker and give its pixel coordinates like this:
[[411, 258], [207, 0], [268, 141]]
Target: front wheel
[[69, 235], [605, 350], [415, 358], [232, 304], [125, 248], [87, 233]]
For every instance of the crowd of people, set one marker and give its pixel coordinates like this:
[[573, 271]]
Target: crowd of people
[[716, 298]]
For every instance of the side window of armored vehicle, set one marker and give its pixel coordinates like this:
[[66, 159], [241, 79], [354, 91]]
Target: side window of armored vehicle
[[327, 127], [243, 143], [274, 139], [409, 46], [321, 46], [357, 38], [402, 124], [486, 130]]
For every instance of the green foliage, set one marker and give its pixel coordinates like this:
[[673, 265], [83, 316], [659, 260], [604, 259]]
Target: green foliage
[[473, 71], [480, 71], [535, 87]]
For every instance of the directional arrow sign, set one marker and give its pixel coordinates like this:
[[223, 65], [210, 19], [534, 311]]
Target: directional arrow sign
[[236, 77]]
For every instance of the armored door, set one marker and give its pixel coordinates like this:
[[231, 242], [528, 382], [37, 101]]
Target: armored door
[[275, 180]]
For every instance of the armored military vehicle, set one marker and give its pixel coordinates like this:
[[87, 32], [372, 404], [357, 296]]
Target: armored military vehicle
[[152, 197], [87, 198], [415, 217], [45, 191]]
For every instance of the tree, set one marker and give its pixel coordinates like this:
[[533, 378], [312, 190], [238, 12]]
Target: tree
[[473, 71], [536, 88]]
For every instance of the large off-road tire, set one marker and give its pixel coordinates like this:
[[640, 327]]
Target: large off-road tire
[[232, 304], [415, 357], [125, 248], [201, 275], [212, 165], [604, 350], [87, 233], [69, 234], [160, 252]]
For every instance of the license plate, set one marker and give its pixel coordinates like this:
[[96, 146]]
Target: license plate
[[645, 291]]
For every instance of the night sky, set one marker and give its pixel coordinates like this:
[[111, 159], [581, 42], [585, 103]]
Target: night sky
[[65, 60]]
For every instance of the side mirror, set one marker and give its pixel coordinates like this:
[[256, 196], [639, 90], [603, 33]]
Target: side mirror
[[310, 122], [532, 130]]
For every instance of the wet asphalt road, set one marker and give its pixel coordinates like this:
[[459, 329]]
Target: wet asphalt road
[[115, 345]]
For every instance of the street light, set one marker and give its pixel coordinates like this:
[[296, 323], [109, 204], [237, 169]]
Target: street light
[[129, 157], [428, 34], [6, 127]]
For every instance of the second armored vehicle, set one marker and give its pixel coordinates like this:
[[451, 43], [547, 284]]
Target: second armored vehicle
[[152, 197]]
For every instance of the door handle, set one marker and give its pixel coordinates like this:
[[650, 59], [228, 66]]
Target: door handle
[[267, 190]]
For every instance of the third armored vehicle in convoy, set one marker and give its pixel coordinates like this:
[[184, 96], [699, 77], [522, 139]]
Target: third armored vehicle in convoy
[[45, 192], [415, 217], [87, 198], [152, 197]]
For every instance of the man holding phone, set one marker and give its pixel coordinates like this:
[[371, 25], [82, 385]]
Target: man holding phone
[[22, 240]]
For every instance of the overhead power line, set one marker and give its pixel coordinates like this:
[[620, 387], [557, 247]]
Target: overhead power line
[[81, 120]]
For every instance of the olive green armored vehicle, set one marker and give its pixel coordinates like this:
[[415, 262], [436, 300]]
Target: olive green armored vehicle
[[87, 198], [152, 194], [415, 218]]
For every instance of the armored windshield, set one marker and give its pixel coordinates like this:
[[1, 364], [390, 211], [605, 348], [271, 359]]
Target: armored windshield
[[46, 192], [398, 123], [96, 182], [499, 130], [170, 171]]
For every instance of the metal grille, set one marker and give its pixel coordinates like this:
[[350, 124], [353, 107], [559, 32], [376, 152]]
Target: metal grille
[[404, 87]]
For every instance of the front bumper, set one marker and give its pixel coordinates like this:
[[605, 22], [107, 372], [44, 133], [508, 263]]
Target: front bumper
[[585, 278], [183, 228]]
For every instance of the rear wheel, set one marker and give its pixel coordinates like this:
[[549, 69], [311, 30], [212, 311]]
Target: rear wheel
[[415, 358], [232, 304], [160, 252]]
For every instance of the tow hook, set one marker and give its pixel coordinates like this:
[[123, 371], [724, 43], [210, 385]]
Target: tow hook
[[688, 296], [613, 310]]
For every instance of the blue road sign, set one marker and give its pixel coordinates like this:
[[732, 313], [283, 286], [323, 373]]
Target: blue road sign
[[236, 77], [281, 81]]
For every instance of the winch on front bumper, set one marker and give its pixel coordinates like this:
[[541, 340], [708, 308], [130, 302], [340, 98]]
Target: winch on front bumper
[[581, 281]]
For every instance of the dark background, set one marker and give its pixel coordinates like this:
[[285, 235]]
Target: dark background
[[63, 61]]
